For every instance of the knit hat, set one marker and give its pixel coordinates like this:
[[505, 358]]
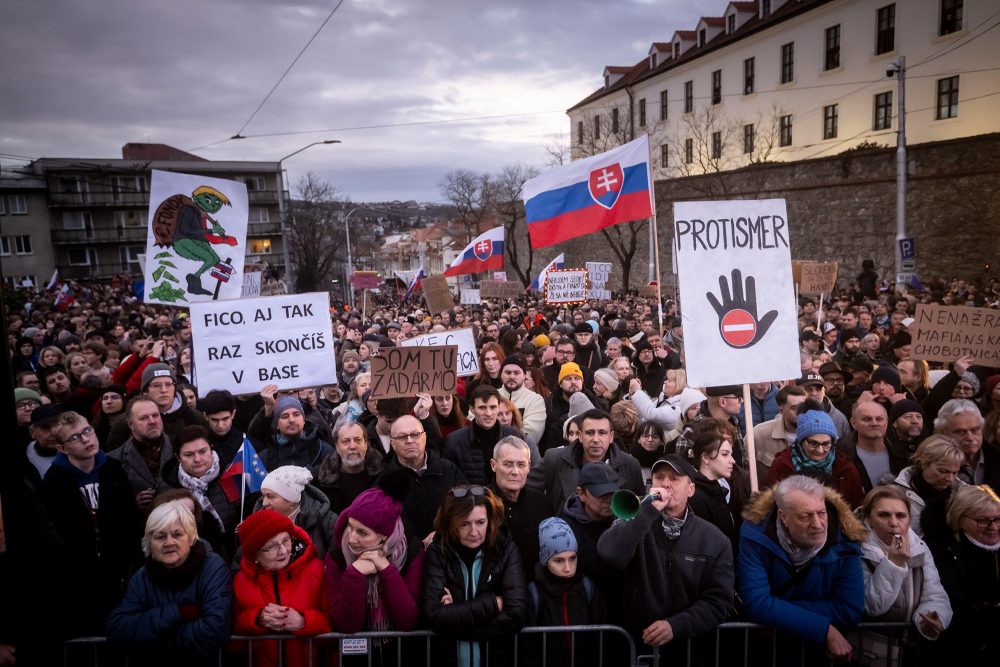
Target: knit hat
[[583, 328], [286, 402], [900, 408], [288, 482], [157, 370], [541, 340], [258, 528], [378, 508], [690, 396], [570, 368], [554, 537], [889, 375], [848, 334], [973, 380], [900, 339], [607, 377], [578, 404], [25, 394], [812, 422], [30, 332], [115, 389], [515, 360], [641, 345], [350, 354], [991, 383]]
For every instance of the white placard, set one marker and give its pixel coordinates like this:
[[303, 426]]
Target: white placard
[[251, 284], [735, 273], [245, 344], [468, 355], [599, 273], [565, 286], [469, 296], [500, 275]]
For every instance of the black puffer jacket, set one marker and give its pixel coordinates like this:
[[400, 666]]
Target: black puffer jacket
[[709, 502], [426, 491]]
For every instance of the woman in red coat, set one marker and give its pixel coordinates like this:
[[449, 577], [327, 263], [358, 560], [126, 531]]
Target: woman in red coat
[[814, 455], [280, 588]]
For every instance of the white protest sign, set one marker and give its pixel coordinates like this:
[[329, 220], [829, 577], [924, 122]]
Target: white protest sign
[[469, 296], [599, 273], [499, 275], [735, 273], [565, 286], [244, 344], [468, 355], [251, 284]]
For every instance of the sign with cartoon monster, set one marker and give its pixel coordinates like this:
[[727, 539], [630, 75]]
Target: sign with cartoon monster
[[197, 239]]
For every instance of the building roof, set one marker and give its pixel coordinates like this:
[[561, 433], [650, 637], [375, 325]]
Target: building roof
[[150, 152]]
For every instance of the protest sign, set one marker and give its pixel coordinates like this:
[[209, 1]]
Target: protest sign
[[366, 280], [797, 272], [468, 354], [500, 289], [196, 240], [251, 284], [468, 296], [500, 275], [598, 272], [818, 277], [402, 372], [734, 269], [945, 333], [565, 286], [244, 344], [648, 291], [437, 293]]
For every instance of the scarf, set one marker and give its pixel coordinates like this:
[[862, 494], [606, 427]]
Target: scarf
[[178, 578], [798, 555], [199, 486], [806, 465], [992, 548], [672, 527], [646, 459], [395, 552]]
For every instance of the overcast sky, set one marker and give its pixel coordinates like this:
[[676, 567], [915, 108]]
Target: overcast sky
[[80, 78]]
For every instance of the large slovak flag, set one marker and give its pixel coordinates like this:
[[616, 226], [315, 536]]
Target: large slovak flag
[[485, 253], [245, 472], [558, 263], [588, 195]]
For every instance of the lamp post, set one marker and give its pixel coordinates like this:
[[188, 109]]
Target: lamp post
[[898, 69], [349, 269], [285, 236]]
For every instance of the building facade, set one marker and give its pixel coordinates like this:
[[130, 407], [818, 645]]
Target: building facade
[[25, 248]]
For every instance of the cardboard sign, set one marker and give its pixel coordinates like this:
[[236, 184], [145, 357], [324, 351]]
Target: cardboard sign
[[818, 277], [945, 333], [500, 289], [565, 286], [251, 284], [468, 296], [598, 272], [366, 280], [465, 339], [735, 272], [403, 372], [648, 291], [797, 272], [244, 344], [437, 293]]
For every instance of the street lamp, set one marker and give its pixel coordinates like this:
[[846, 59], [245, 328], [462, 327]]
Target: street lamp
[[347, 232], [289, 273], [897, 68]]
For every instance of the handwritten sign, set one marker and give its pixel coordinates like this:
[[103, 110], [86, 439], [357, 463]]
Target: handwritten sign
[[598, 273], [945, 333], [500, 275], [797, 272], [648, 291], [468, 296], [818, 277], [244, 344], [465, 339], [366, 280], [251, 284], [500, 289], [403, 372], [566, 286], [437, 293]]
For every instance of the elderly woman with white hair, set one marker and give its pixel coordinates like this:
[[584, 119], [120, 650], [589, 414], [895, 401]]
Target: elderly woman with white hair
[[287, 491], [178, 605]]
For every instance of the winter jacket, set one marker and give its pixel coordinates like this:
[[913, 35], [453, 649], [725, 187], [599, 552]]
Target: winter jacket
[[300, 585], [687, 581], [472, 619], [830, 588], [532, 408], [588, 533], [314, 517], [664, 412], [342, 488], [848, 448], [709, 502], [769, 440], [229, 511], [561, 468], [149, 616], [426, 491], [557, 601], [179, 416], [844, 477], [521, 519], [460, 448], [306, 450], [140, 477]]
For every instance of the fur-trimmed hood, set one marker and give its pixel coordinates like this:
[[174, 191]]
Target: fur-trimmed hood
[[760, 508]]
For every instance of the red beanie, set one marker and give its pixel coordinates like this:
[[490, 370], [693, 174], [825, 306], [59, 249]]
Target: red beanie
[[991, 382], [259, 527]]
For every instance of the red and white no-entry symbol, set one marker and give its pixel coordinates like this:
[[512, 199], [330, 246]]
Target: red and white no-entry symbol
[[738, 328]]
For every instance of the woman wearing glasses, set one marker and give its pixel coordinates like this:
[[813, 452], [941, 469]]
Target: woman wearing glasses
[[279, 589], [474, 592], [813, 454]]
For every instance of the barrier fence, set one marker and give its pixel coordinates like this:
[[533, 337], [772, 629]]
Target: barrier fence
[[731, 645]]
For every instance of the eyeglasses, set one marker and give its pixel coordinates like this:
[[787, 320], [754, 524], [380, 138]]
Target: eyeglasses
[[964, 389], [463, 491], [985, 523], [815, 444], [274, 549], [403, 437], [78, 437], [28, 405]]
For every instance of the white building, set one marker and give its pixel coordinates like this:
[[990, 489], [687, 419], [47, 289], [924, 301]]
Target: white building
[[774, 80]]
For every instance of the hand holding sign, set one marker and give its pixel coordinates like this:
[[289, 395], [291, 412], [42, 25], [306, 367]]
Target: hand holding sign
[[738, 323]]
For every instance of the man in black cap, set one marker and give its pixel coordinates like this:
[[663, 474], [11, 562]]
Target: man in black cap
[[816, 390], [810, 341], [530, 404], [836, 380], [41, 450], [907, 429], [886, 386], [848, 347], [679, 570], [588, 352], [649, 370], [723, 402]]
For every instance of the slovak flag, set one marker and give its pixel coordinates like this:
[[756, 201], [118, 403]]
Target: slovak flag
[[590, 194], [485, 253], [247, 469], [53, 281], [558, 263], [415, 282], [65, 298]]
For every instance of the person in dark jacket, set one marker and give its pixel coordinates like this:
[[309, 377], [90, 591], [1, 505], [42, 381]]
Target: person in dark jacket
[[294, 441], [146, 452], [351, 468], [219, 407], [474, 588], [721, 487], [177, 607]]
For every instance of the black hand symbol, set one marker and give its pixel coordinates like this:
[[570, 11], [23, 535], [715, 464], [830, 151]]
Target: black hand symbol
[[739, 302]]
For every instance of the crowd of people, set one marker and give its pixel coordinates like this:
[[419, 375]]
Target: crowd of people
[[482, 512]]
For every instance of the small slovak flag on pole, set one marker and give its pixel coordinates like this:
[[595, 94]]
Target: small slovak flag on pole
[[415, 282], [485, 253]]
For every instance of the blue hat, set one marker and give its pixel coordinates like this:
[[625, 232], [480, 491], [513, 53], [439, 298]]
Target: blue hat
[[554, 537], [285, 403], [812, 422]]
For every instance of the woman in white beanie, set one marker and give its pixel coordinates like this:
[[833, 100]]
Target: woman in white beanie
[[287, 490]]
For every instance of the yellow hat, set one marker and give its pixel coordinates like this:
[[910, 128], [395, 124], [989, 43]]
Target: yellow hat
[[570, 368], [541, 340]]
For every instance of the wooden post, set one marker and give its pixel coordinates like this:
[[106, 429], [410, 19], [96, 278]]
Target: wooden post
[[748, 440]]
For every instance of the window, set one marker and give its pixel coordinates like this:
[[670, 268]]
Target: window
[[701, 37], [885, 36], [717, 86], [121, 185], [947, 98], [653, 62], [765, 7], [82, 256], [4, 245], [831, 59], [3, 209], [748, 75], [259, 214], [688, 96], [579, 131], [677, 50], [18, 205], [22, 245], [614, 121], [716, 145], [748, 137], [260, 246], [688, 151], [76, 220], [664, 156], [785, 138], [951, 16], [597, 128], [663, 105], [130, 219], [731, 24], [830, 116], [883, 111], [642, 112], [788, 62], [253, 183], [607, 80], [130, 254]]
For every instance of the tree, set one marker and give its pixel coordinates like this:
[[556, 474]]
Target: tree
[[507, 194], [472, 195], [313, 245]]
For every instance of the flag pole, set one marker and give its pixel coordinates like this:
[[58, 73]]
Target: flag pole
[[656, 238], [748, 440], [243, 478]]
